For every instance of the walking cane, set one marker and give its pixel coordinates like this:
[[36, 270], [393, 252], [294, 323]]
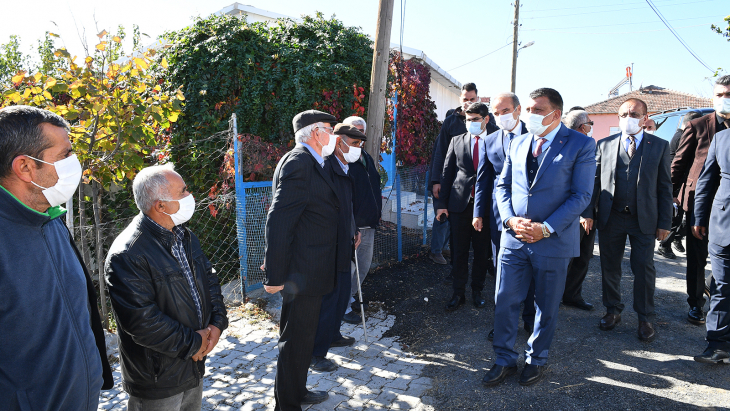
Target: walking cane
[[359, 292]]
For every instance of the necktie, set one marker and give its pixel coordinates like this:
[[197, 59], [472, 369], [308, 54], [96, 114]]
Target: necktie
[[538, 149], [632, 147], [475, 160], [511, 136]]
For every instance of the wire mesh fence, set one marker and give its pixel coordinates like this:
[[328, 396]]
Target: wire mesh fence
[[230, 215]]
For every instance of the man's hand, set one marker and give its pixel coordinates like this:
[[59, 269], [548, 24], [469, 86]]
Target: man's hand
[[587, 224], [441, 211], [661, 235], [530, 232], [358, 240], [699, 232], [477, 223], [215, 334], [273, 289], [518, 224], [436, 190], [205, 333]]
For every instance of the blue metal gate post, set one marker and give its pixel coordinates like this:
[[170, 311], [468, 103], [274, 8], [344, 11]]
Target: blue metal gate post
[[425, 209], [240, 210]]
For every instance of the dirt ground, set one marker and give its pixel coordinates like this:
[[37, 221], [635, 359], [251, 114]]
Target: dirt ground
[[588, 368]]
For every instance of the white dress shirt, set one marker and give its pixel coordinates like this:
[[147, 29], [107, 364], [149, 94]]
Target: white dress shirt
[[638, 137]]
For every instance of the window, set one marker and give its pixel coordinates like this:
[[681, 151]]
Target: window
[[666, 126]]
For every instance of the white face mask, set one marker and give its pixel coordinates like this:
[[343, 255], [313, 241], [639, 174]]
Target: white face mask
[[629, 125], [69, 175], [507, 121], [330, 147], [534, 123], [590, 132], [352, 155], [722, 105], [187, 208], [474, 128]]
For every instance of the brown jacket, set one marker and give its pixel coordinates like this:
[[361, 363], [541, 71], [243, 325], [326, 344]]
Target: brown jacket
[[690, 158]]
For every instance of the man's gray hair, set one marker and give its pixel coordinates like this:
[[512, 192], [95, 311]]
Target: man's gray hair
[[305, 133], [151, 185], [723, 81], [575, 119], [356, 121], [513, 96]]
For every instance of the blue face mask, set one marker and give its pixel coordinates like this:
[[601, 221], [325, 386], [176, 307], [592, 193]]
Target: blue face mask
[[474, 127]]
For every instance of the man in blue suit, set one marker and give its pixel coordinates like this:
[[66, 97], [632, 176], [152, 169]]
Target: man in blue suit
[[546, 183], [507, 110], [712, 209]]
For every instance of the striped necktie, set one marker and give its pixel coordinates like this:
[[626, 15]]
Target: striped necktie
[[632, 147]]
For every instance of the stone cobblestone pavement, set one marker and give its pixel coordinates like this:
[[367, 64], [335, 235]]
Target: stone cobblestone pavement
[[240, 372]]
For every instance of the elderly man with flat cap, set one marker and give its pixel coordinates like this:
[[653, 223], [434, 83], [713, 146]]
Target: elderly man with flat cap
[[347, 150], [301, 251]]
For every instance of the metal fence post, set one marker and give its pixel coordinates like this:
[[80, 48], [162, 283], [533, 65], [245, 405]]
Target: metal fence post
[[240, 209], [425, 209]]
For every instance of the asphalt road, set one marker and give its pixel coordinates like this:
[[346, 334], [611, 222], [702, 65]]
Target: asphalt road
[[589, 368]]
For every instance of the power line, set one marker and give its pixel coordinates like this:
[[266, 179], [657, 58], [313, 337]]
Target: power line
[[479, 58], [686, 46], [613, 32], [611, 11], [601, 5], [622, 24]]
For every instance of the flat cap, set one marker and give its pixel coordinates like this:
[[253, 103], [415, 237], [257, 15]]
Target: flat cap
[[349, 131], [309, 117]]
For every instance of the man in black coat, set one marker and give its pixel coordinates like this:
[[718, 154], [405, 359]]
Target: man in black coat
[[166, 297], [301, 252], [347, 150]]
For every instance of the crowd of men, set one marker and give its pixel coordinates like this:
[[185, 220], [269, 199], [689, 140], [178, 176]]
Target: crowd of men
[[526, 198]]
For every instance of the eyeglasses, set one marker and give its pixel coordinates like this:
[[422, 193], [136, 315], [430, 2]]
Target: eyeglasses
[[590, 123], [632, 115], [355, 143], [329, 130]]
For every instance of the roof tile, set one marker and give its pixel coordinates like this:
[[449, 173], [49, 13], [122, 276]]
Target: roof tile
[[656, 98]]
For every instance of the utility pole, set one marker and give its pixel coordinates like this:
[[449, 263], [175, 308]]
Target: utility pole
[[514, 45], [379, 79]]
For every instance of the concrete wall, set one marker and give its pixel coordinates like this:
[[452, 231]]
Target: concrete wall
[[445, 98]]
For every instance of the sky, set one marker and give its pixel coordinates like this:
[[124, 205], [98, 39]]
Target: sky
[[581, 48]]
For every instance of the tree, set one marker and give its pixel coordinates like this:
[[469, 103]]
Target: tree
[[117, 110], [724, 33], [11, 58]]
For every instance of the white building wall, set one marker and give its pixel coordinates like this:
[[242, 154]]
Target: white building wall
[[444, 98]]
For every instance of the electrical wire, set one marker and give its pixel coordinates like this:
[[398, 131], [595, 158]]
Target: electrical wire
[[671, 29], [602, 5], [610, 11], [612, 32], [479, 58], [622, 24]]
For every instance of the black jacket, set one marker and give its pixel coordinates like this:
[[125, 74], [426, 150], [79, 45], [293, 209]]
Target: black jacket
[[458, 176], [301, 235], [674, 143], [156, 316], [453, 125], [345, 220], [367, 196]]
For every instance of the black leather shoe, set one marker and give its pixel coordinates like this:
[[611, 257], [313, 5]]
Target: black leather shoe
[[666, 252], [579, 304], [497, 374], [678, 246], [696, 316], [479, 302], [456, 302], [646, 331], [315, 397], [322, 364], [609, 321], [352, 318], [713, 356], [343, 342], [531, 374], [490, 337]]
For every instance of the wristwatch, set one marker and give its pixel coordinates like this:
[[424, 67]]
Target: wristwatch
[[545, 231]]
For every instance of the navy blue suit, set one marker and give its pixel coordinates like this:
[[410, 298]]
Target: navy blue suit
[[712, 210], [485, 200], [560, 192]]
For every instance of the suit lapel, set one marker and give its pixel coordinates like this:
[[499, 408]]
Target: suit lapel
[[608, 163], [555, 147], [712, 126], [521, 160], [467, 148], [320, 169], [647, 153], [502, 152]]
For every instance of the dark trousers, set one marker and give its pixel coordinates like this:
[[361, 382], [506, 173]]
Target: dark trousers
[[612, 243], [718, 318], [578, 267], [333, 309], [696, 262], [465, 236], [528, 311], [677, 231], [518, 268], [299, 316]]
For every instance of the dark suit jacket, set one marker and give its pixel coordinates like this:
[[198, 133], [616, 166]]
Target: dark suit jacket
[[690, 157], [485, 198], [345, 220], [458, 177], [654, 190], [712, 197], [301, 233]]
